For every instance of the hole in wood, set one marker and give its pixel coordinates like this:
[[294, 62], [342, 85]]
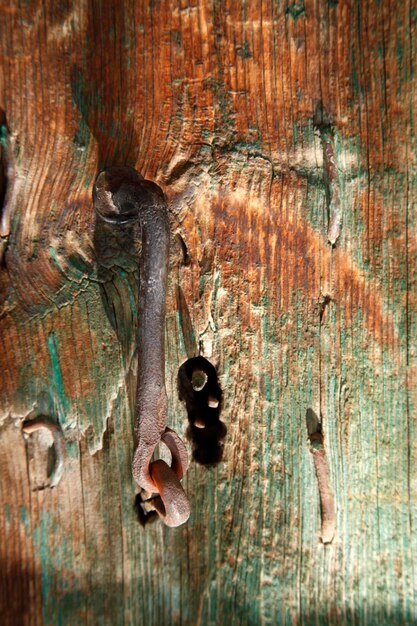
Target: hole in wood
[[199, 389]]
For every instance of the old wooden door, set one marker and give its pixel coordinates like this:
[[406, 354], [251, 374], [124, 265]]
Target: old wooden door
[[283, 133]]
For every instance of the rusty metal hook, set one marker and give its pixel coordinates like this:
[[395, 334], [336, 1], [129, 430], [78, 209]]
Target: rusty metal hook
[[42, 421], [122, 196]]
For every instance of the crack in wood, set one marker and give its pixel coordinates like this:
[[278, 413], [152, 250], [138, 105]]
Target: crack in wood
[[330, 173]]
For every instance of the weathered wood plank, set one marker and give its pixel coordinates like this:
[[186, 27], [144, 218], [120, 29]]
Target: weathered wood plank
[[260, 120]]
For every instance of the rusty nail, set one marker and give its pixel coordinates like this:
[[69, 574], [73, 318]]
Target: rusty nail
[[327, 505]]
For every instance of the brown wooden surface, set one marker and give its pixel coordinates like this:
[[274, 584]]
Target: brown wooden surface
[[263, 122]]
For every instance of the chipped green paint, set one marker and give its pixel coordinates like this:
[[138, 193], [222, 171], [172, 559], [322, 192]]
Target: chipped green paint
[[133, 297], [76, 262], [181, 342], [85, 96], [8, 513], [87, 182], [40, 538], [72, 449], [265, 333], [176, 37], [24, 517], [54, 256], [57, 387], [357, 88]]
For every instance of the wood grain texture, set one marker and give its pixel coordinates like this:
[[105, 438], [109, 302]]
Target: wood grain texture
[[232, 107]]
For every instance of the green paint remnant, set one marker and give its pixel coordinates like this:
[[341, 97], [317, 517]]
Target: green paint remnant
[[333, 3], [132, 298], [202, 281], [57, 387], [176, 37], [35, 250], [223, 104], [4, 136], [295, 10], [24, 517], [355, 80], [79, 264], [87, 182], [265, 339], [244, 51], [71, 448], [295, 132], [181, 344], [40, 536], [82, 99], [399, 52], [54, 256], [7, 513]]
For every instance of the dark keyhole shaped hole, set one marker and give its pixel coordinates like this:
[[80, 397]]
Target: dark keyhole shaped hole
[[199, 389]]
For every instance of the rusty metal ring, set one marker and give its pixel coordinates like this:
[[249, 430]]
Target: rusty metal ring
[[171, 504], [178, 451], [144, 452]]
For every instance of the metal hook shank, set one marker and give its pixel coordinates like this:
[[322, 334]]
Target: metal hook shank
[[122, 196]]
